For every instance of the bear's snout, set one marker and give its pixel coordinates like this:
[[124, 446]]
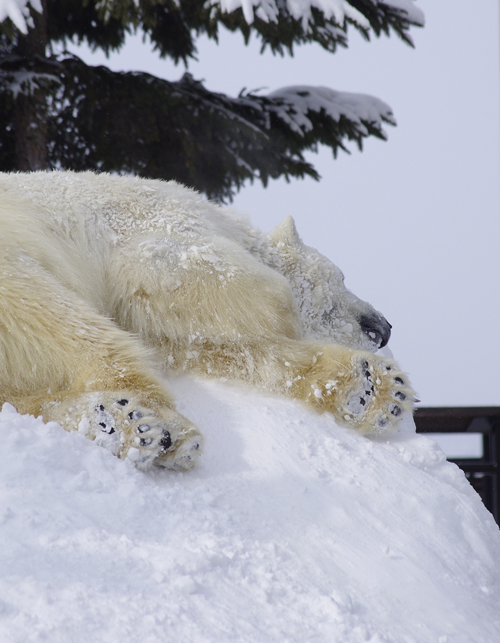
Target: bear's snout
[[376, 327]]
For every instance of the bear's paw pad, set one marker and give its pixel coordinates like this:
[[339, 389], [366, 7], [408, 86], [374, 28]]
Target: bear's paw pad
[[166, 438], [382, 396], [184, 452]]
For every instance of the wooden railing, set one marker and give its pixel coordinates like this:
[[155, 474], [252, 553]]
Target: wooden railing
[[484, 472]]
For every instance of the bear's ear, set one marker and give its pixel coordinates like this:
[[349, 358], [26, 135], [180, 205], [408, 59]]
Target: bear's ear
[[286, 233]]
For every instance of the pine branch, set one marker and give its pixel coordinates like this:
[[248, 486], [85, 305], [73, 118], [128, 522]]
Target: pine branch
[[134, 122], [93, 118], [174, 25]]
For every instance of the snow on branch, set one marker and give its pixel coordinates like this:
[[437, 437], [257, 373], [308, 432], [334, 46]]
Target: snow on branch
[[294, 106], [336, 10], [18, 12], [267, 10], [415, 15]]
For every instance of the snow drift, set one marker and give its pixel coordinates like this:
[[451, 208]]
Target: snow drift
[[292, 529]]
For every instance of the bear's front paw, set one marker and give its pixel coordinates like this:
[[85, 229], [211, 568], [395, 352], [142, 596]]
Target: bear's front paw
[[120, 422], [363, 391], [164, 438], [378, 396]]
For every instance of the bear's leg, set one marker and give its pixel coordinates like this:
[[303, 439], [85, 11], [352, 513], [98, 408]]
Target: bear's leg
[[363, 391], [63, 361], [220, 313]]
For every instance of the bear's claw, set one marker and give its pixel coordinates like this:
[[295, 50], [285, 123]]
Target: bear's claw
[[360, 400], [105, 420], [166, 441]]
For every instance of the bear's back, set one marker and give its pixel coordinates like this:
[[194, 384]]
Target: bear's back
[[93, 206]]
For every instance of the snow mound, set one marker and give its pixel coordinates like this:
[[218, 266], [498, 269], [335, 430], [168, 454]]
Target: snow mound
[[291, 530]]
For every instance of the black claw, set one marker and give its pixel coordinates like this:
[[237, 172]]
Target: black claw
[[389, 368], [368, 375], [364, 364], [362, 401], [101, 407], [396, 411], [398, 380], [145, 442], [400, 395], [135, 415], [143, 428], [166, 441], [106, 429], [122, 402]]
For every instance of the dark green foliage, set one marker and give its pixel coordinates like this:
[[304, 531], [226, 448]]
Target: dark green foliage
[[135, 123], [7, 136], [384, 18], [173, 26]]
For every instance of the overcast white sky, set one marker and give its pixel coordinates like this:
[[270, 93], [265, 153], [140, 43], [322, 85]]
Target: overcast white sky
[[414, 222]]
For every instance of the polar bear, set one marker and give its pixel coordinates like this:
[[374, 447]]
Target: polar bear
[[108, 282]]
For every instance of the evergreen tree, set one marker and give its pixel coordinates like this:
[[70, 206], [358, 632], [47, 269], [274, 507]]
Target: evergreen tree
[[59, 112]]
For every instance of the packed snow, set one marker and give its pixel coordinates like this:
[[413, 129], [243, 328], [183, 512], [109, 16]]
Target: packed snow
[[292, 529]]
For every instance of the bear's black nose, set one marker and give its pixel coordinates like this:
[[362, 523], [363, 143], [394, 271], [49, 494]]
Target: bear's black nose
[[376, 327]]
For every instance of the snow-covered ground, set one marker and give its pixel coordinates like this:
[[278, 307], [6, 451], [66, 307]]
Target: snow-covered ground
[[292, 530]]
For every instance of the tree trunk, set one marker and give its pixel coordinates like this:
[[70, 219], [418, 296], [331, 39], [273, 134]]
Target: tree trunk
[[30, 120]]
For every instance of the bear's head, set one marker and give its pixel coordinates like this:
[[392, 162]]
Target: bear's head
[[328, 309]]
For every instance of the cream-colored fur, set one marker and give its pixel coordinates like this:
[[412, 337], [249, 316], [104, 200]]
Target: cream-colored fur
[[106, 282]]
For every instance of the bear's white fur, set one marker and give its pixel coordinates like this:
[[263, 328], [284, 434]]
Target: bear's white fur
[[107, 282]]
